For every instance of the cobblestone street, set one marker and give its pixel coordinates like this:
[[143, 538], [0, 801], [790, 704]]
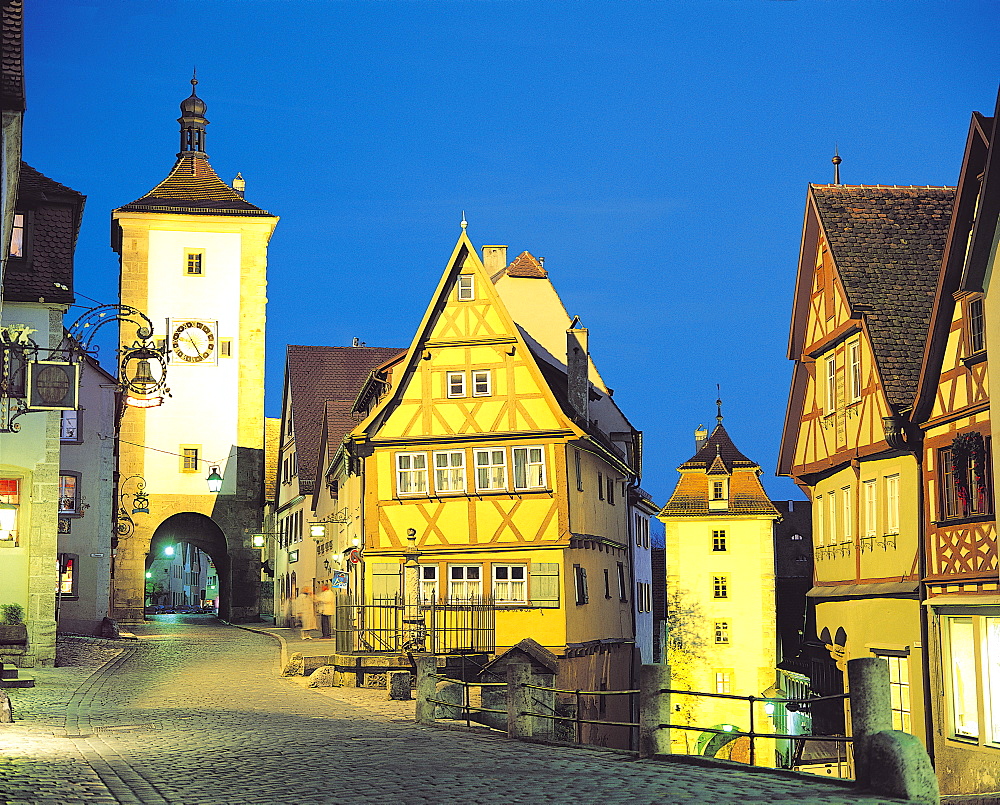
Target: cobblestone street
[[194, 713]]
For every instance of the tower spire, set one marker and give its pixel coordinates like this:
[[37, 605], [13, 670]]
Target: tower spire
[[718, 403], [836, 165], [193, 122]]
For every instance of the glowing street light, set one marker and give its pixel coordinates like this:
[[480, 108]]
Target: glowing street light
[[214, 480]]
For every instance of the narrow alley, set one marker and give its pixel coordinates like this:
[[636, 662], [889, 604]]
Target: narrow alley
[[194, 713]]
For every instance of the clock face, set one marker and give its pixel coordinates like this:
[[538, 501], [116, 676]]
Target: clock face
[[193, 341]]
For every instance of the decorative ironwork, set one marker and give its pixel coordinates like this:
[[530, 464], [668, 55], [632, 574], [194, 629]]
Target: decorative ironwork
[[124, 524]]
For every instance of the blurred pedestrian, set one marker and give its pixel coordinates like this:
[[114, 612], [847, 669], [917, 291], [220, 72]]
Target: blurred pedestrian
[[326, 603], [305, 611]]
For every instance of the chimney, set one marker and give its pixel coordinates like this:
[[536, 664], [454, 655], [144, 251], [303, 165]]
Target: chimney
[[700, 437], [494, 259], [239, 184], [578, 370]]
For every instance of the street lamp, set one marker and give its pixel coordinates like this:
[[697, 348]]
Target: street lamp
[[214, 480]]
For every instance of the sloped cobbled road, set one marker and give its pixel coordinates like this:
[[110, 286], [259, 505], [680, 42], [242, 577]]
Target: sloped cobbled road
[[194, 714]]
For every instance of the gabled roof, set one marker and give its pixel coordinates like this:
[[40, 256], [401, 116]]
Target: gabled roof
[[718, 456], [56, 213], [194, 187], [316, 376], [886, 244], [12, 57], [527, 267]]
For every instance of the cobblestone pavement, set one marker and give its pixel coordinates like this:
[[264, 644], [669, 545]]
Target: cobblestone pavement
[[193, 713]]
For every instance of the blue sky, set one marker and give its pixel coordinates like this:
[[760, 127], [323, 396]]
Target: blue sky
[[656, 154]]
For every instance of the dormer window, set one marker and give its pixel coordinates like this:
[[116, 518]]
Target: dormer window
[[718, 493], [17, 236], [718, 490]]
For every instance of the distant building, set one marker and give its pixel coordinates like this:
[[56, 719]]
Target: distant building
[[720, 564]]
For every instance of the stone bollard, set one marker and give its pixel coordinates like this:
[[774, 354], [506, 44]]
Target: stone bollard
[[654, 709], [899, 767], [519, 700], [426, 688], [871, 711], [6, 711], [400, 685], [296, 665], [323, 677]]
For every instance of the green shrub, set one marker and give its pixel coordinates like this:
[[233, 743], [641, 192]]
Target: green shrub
[[11, 614]]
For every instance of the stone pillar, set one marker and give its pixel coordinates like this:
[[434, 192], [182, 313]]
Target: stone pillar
[[426, 688], [654, 709], [518, 700], [544, 701], [871, 710]]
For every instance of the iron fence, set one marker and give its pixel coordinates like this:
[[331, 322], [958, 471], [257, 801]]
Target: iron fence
[[390, 625]]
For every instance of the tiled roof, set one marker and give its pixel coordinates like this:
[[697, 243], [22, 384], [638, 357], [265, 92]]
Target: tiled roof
[[718, 444], [746, 496], [526, 266], [55, 213], [718, 456], [194, 187], [316, 376], [887, 245], [12, 57]]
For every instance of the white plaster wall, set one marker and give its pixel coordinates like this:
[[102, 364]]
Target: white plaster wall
[[204, 395]]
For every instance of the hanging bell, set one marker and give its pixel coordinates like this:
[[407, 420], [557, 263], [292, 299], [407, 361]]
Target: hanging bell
[[144, 379]]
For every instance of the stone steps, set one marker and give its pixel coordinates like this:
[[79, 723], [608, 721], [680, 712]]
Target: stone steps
[[9, 678]]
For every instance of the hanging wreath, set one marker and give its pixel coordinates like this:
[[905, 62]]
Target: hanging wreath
[[968, 453]]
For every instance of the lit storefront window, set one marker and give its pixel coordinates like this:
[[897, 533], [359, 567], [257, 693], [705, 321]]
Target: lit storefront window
[[993, 677], [964, 683]]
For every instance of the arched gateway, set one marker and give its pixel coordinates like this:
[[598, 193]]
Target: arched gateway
[[194, 258]]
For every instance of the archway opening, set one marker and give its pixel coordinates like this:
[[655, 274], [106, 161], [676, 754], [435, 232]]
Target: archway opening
[[188, 565]]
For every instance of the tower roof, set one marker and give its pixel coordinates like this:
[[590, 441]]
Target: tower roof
[[719, 446], [193, 186]]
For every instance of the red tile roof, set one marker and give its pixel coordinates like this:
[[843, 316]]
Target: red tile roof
[[527, 266], [194, 187], [320, 375]]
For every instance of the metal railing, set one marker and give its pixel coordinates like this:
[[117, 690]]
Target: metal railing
[[439, 627]]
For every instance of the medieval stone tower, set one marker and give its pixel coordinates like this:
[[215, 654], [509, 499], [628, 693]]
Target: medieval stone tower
[[194, 259]]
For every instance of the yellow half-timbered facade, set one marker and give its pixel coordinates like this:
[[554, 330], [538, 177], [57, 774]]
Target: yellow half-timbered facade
[[962, 589], [869, 264], [500, 455]]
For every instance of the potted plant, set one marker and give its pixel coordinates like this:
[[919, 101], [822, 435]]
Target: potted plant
[[12, 628]]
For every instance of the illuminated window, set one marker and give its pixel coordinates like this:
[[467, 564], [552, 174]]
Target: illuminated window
[[67, 573], [509, 584], [491, 469], [411, 473], [449, 471], [899, 689], [17, 236], [723, 682], [10, 499], [68, 491], [963, 679]]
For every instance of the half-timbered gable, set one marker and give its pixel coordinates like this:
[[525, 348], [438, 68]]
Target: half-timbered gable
[[868, 271], [960, 539], [474, 452]]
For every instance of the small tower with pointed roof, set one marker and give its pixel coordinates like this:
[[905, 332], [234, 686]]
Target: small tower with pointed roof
[[194, 259], [719, 526]]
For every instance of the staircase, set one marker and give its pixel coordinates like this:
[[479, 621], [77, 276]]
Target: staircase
[[9, 677]]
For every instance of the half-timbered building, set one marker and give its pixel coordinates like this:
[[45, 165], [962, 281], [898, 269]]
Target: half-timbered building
[[867, 275], [500, 456], [953, 412]]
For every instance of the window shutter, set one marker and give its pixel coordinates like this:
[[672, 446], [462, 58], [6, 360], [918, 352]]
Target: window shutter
[[544, 580], [386, 582]]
